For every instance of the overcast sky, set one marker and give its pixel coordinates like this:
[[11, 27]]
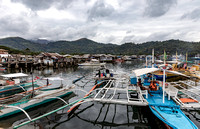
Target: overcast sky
[[106, 21]]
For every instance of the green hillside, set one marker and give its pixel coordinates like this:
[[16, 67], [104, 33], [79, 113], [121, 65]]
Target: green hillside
[[84, 45]]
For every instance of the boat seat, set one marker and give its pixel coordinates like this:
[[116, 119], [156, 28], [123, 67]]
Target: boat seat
[[145, 92], [171, 91]]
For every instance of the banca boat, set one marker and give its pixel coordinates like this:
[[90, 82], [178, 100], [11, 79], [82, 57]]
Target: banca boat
[[40, 98], [14, 83], [162, 106], [93, 62]]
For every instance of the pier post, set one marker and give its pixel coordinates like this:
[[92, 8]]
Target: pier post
[[26, 61], [61, 65], [9, 61], [56, 65], [66, 64], [16, 65]]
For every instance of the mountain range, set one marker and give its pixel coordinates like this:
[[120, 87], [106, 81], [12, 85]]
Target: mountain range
[[85, 45]]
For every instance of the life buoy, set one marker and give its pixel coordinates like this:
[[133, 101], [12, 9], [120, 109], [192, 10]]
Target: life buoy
[[165, 66]]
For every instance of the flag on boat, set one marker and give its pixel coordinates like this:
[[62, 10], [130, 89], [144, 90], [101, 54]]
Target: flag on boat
[[36, 78]]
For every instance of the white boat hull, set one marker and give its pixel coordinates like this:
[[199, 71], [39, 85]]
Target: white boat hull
[[92, 64]]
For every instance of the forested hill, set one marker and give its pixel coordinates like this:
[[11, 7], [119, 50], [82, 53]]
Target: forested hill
[[88, 46]]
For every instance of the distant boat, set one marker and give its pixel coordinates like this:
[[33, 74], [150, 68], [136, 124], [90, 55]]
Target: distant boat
[[14, 83], [93, 62], [2, 68], [196, 58]]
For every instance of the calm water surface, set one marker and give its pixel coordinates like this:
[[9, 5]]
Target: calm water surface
[[92, 115]]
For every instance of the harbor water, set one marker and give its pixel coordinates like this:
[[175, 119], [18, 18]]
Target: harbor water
[[92, 115]]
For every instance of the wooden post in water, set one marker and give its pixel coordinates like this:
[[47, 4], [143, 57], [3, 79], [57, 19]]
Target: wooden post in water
[[61, 65], [56, 65], [9, 62], [32, 83], [26, 61], [17, 61], [16, 65]]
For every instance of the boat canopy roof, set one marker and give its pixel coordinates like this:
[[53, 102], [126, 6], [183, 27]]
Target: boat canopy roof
[[14, 75], [139, 72], [53, 78]]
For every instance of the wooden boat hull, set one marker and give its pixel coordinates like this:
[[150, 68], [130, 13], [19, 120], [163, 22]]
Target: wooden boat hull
[[169, 112], [36, 101], [159, 75]]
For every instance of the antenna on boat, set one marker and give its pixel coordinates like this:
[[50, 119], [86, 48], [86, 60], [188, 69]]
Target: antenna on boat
[[176, 58], [186, 57], [164, 57]]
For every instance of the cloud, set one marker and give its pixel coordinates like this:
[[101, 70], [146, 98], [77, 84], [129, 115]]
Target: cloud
[[100, 10], [106, 21], [36, 5], [129, 38], [62, 31], [14, 25], [194, 15], [157, 8], [159, 36]]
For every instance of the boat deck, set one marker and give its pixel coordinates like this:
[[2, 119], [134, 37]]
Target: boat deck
[[119, 92]]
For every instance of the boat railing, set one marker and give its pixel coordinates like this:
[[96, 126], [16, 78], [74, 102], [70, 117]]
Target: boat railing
[[188, 93], [141, 93], [188, 90], [102, 88], [190, 84]]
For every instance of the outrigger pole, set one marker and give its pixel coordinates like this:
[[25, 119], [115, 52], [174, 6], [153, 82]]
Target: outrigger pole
[[49, 113]]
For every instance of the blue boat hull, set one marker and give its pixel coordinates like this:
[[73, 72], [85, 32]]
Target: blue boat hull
[[160, 77], [169, 112]]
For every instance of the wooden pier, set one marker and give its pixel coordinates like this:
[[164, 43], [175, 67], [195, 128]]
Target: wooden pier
[[27, 61]]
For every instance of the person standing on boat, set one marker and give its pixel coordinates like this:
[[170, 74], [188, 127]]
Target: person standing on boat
[[142, 87], [47, 81]]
